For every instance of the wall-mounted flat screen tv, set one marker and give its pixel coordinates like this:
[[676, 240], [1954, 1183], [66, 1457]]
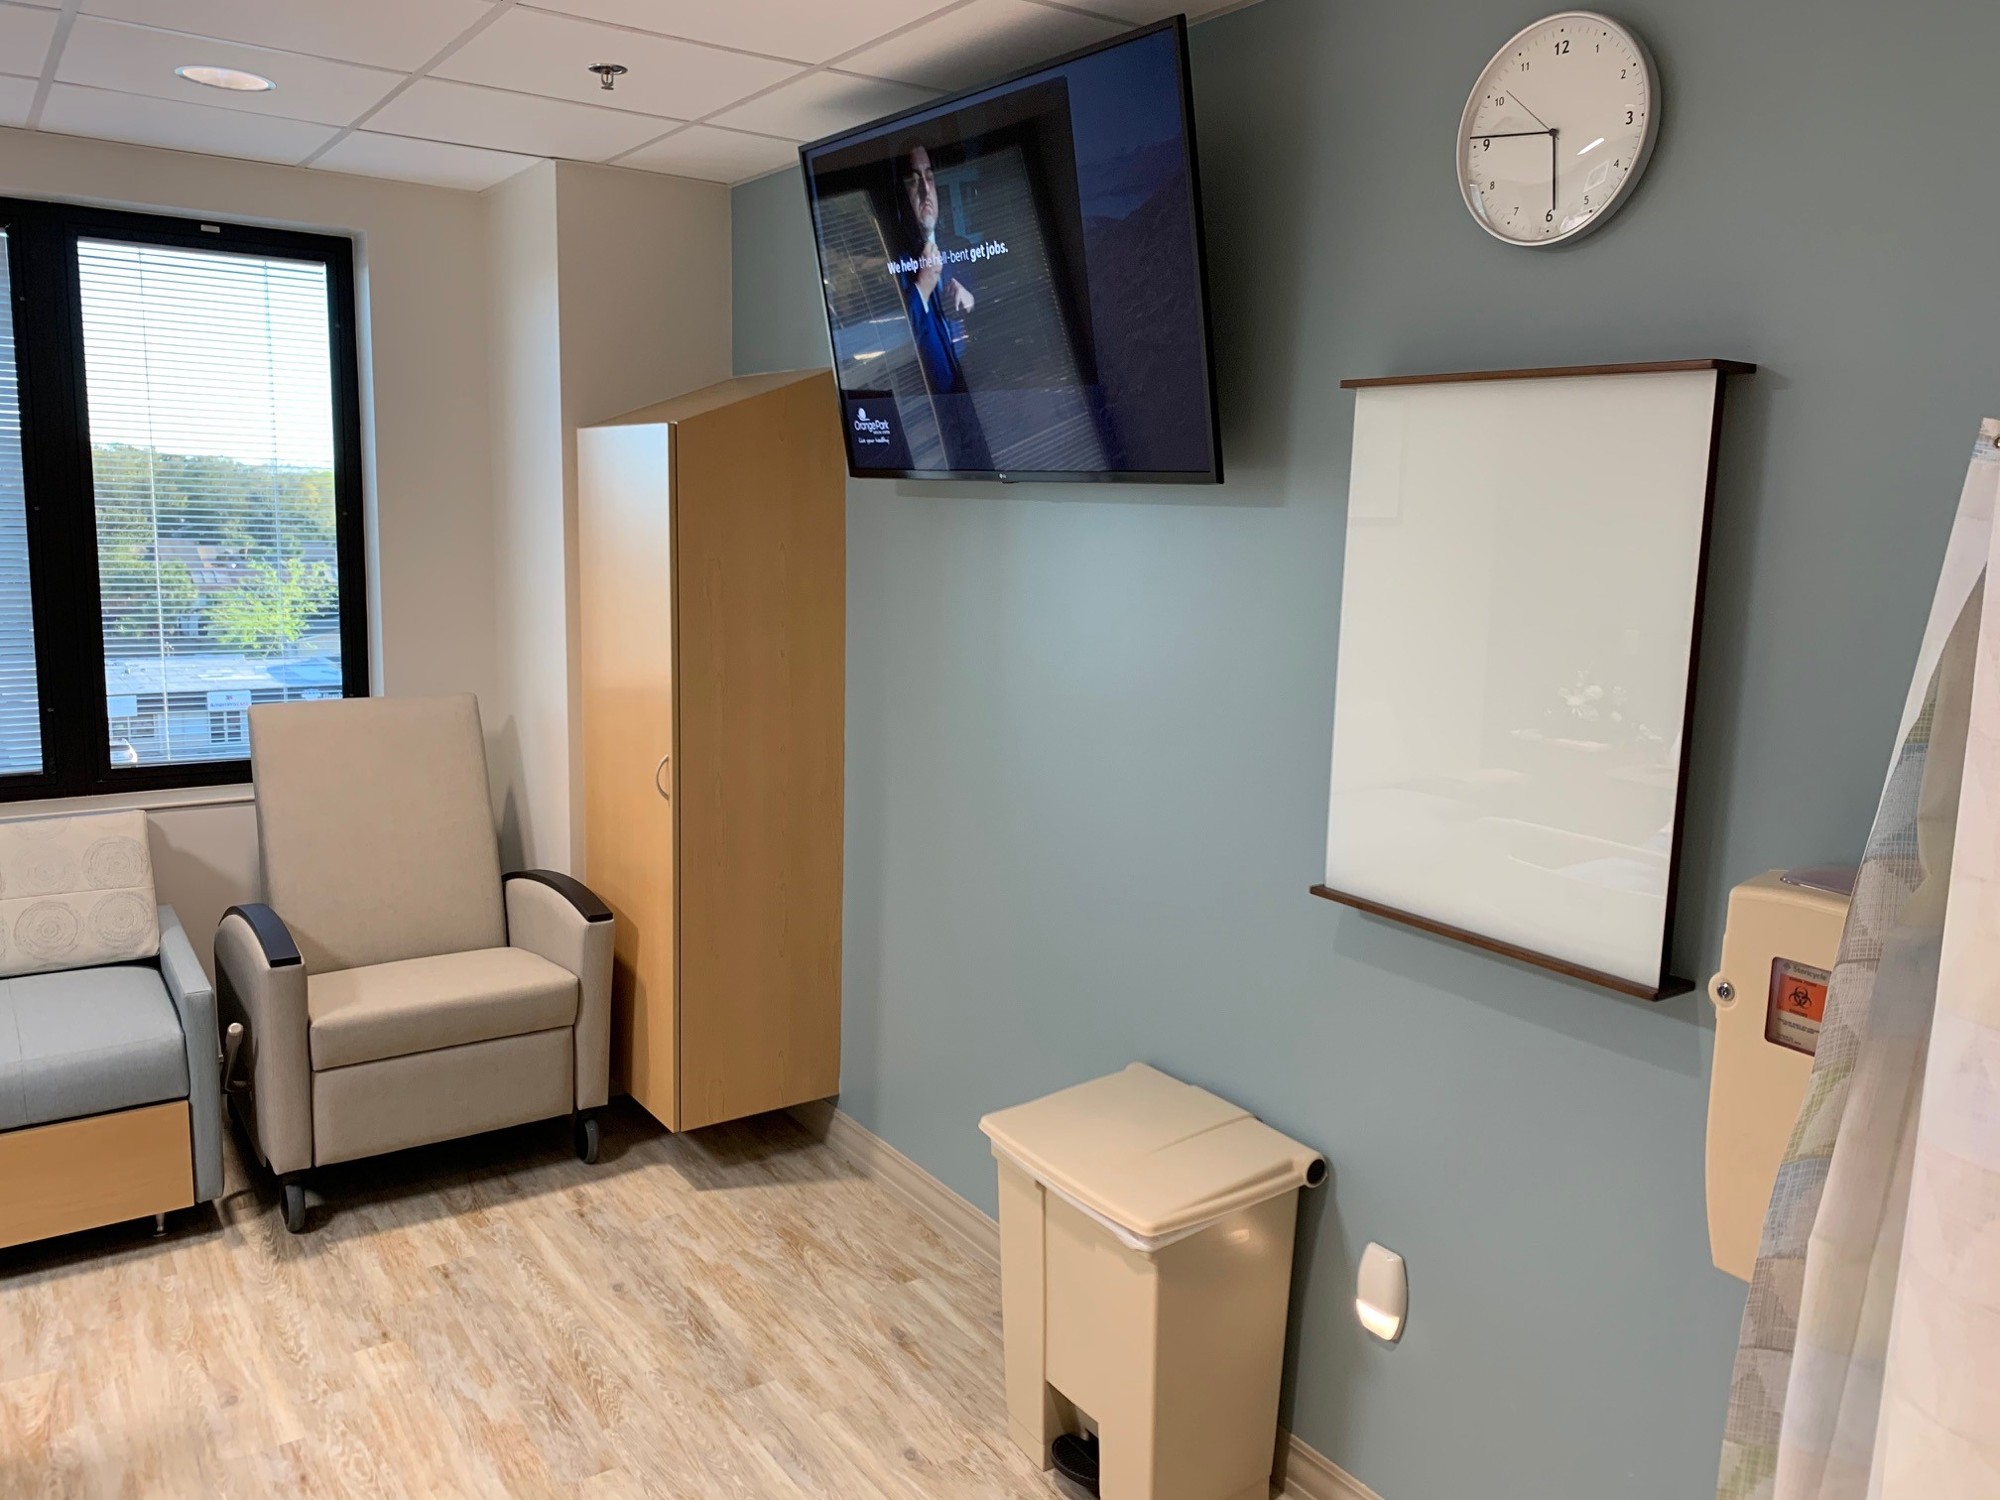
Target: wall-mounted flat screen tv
[[1014, 277]]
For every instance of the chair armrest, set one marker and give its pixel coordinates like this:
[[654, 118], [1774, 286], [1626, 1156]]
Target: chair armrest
[[194, 1001], [558, 918], [572, 890], [262, 983], [273, 936]]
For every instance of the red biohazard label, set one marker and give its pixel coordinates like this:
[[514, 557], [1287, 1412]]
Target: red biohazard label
[[1797, 1005]]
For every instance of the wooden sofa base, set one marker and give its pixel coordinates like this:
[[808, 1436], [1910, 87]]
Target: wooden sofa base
[[104, 1169]]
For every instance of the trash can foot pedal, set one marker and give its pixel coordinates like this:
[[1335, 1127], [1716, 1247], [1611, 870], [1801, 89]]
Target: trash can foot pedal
[[1075, 1459]]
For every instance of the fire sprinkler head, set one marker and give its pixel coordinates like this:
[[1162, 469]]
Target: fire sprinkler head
[[607, 74]]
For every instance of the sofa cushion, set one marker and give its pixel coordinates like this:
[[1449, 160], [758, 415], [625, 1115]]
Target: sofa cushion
[[86, 1042], [446, 1000], [75, 891]]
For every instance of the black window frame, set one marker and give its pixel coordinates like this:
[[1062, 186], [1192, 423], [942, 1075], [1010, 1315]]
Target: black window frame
[[41, 244]]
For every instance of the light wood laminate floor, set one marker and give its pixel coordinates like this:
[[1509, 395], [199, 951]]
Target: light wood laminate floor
[[732, 1313]]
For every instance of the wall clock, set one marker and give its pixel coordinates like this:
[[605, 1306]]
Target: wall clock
[[1558, 129]]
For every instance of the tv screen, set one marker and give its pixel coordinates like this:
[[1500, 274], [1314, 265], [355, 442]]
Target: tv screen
[[1014, 277]]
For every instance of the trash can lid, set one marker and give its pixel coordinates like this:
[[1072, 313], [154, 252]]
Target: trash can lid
[[1150, 1157]]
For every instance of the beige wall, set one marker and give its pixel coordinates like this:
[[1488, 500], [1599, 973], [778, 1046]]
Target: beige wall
[[493, 324], [625, 275], [527, 720], [421, 262]]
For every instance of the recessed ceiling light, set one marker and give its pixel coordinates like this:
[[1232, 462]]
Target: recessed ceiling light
[[233, 79]]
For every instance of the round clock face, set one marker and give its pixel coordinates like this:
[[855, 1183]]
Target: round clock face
[[1557, 130]]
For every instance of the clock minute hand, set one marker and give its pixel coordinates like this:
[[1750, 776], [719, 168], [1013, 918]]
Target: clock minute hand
[[1504, 135], [1531, 115]]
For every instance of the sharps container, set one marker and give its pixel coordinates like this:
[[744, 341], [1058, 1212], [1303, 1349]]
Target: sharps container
[[1145, 1274]]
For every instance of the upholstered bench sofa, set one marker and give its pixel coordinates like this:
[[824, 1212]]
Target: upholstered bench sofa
[[110, 1084]]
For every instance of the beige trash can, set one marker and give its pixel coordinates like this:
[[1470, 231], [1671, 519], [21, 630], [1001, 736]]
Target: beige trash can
[[1145, 1272]]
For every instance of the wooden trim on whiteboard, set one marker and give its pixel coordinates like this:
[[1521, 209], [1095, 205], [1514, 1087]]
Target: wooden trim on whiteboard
[[1665, 990], [1562, 372], [1694, 668], [1667, 986]]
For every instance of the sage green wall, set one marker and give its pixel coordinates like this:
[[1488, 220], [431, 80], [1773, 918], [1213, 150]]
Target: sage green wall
[[1088, 728]]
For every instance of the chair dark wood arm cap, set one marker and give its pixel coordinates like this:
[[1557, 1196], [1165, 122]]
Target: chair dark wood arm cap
[[271, 933], [572, 890]]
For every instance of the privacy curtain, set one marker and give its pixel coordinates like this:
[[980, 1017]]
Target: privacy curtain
[[1869, 1361]]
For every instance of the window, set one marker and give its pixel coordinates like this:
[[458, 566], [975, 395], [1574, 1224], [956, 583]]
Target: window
[[180, 513], [20, 711]]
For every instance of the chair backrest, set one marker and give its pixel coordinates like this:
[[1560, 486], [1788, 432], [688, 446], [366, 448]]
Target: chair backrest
[[376, 828], [75, 892]]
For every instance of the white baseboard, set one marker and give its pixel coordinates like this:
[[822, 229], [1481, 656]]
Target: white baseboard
[[1304, 1473]]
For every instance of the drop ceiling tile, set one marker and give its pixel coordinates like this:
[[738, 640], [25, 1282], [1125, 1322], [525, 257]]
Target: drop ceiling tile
[[180, 127], [822, 104], [502, 121], [538, 53], [140, 60], [367, 153], [809, 30], [16, 96], [401, 34], [715, 154], [1139, 12], [985, 40], [24, 38], [1145, 12]]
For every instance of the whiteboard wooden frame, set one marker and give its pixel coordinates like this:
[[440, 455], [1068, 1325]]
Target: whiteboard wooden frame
[[1372, 509]]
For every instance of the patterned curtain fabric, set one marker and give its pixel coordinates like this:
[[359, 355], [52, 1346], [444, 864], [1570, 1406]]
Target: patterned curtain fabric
[[1869, 1362]]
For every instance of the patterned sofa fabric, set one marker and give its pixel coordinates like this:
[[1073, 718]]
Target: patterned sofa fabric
[[75, 892]]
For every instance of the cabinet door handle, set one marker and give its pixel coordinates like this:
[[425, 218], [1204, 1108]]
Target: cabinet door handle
[[665, 795]]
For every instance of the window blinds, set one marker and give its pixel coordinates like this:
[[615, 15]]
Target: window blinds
[[20, 704], [210, 398]]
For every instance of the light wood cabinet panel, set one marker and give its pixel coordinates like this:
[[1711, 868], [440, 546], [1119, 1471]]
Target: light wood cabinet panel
[[625, 562], [713, 580], [103, 1169]]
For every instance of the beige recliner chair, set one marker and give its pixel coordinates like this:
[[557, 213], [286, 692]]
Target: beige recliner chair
[[394, 989]]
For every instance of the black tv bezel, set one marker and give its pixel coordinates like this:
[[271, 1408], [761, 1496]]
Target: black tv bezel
[[1213, 473]]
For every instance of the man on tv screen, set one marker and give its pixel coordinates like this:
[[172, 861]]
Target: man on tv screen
[[1013, 279], [935, 299]]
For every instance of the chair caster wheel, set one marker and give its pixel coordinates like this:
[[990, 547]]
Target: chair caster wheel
[[586, 1139], [295, 1207]]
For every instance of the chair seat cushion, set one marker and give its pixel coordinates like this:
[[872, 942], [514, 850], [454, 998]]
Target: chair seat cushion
[[86, 1042], [423, 1004]]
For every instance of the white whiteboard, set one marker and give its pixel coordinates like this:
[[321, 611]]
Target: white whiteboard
[[1516, 623]]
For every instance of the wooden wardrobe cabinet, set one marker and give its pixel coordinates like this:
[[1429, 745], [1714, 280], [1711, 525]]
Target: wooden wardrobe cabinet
[[712, 578]]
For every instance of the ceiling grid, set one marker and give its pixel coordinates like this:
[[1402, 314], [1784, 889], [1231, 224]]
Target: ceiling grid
[[465, 93]]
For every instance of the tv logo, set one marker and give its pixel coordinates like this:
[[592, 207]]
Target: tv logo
[[869, 429]]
